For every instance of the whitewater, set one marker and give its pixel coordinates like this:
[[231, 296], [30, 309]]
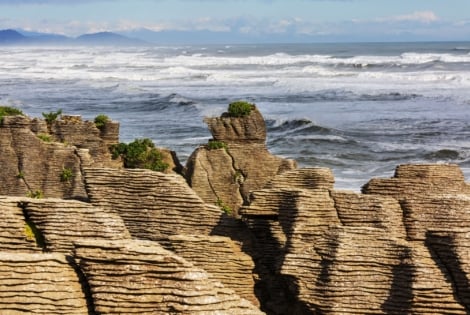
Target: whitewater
[[359, 109]]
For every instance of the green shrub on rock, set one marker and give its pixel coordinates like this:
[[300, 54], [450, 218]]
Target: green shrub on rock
[[9, 111], [51, 116], [101, 120], [66, 175], [215, 145], [140, 154], [240, 108]]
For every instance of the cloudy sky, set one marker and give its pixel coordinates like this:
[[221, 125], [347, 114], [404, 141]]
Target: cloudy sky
[[302, 20]]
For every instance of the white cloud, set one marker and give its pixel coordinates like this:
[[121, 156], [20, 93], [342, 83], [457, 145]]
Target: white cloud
[[419, 16]]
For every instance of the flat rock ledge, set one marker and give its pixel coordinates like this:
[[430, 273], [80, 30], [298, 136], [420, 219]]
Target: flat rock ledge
[[142, 277], [39, 284]]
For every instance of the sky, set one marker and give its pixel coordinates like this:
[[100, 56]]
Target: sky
[[262, 20]]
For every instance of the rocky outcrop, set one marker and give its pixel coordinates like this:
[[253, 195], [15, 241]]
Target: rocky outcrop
[[418, 180], [221, 257], [227, 175], [152, 204], [71, 129], [46, 160], [145, 242], [62, 222], [400, 252], [15, 233], [142, 277], [39, 284]]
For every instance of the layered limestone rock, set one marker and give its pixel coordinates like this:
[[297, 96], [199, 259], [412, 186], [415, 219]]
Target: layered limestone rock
[[39, 284], [142, 277], [287, 222], [73, 130], [46, 160], [152, 204], [15, 234], [418, 180], [380, 212], [61, 222], [227, 175], [221, 257], [336, 252], [34, 166]]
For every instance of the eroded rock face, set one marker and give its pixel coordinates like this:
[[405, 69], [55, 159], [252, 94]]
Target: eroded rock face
[[152, 204], [39, 284], [35, 156], [142, 277], [228, 175], [401, 250]]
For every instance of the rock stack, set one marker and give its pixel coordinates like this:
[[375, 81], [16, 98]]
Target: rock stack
[[244, 164]]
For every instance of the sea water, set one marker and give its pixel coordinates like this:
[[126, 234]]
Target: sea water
[[359, 109]]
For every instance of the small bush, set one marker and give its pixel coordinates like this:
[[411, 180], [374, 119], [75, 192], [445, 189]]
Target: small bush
[[44, 137], [32, 234], [37, 194], [226, 209], [20, 175], [51, 116], [215, 145], [240, 109], [101, 120], [9, 111], [140, 154], [66, 175]]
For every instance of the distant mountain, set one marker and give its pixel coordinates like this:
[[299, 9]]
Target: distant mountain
[[11, 37], [107, 38], [22, 37], [44, 37]]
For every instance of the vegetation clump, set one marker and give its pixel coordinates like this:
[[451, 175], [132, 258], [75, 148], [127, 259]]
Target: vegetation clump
[[66, 174], [215, 145], [32, 234], [240, 109], [51, 116], [101, 120], [37, 194], [44, 137], [226, 209], [9, 111], [140, 154]]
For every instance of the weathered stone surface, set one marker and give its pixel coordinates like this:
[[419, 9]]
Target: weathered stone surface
[[152, 204], [13, 228], [61, 222], [33, 165], [229, 175], [416, 180], [370, 211], [222, 258], [435, 212], [39, 284], [250, 128], [142, 277], [84, 134], [303, 178]]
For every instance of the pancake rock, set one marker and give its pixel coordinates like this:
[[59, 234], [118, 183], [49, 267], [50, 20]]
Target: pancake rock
[[61, 222], [39, 284], [221, 257], [142, 277], [73, 130], [15, 232], [228, 174], [404, 251], [152, 204]]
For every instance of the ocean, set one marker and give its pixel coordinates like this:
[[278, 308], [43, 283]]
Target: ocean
[[360, 109]]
